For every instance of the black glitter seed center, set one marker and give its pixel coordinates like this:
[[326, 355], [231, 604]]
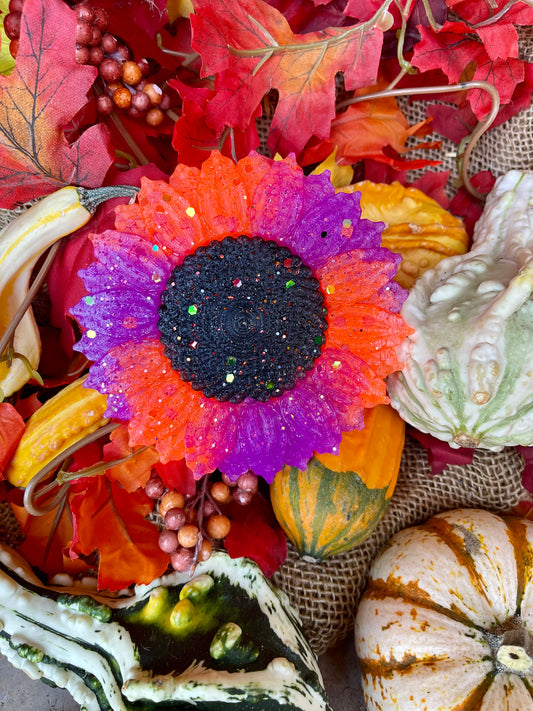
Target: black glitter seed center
[[242, 317]]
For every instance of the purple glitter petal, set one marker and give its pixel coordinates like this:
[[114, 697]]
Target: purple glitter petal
[[277, 201], [108, 320], [126, 261], [101, 378], [124, 286], [330, 223], [261, 442]]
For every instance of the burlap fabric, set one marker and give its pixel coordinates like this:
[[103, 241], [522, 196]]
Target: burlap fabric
[[326, 593]]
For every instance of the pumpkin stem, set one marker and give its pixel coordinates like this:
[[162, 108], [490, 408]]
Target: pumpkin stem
[[516, 650]]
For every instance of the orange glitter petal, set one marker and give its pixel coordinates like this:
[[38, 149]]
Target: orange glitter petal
[[349, 276], [369, 332], [210, 435], [222, 199], [169, 219], [162, 403], [252, 170]]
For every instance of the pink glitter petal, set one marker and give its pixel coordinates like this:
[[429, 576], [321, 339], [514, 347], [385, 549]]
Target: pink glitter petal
[[277, 201], [210, 435]]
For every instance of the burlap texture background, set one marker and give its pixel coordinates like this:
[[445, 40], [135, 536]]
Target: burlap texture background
[[326, 593]]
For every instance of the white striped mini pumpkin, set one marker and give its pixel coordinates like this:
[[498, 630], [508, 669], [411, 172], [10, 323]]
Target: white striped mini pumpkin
[[446, 623]]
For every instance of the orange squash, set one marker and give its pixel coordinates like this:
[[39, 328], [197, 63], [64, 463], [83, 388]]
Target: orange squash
[[339, 499], [416, 226]]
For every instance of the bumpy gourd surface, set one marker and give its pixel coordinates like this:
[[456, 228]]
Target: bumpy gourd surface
[[468, 375]]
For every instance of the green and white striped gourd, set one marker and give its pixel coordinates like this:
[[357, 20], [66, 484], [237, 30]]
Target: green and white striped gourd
[[224, 639], [468, 375]]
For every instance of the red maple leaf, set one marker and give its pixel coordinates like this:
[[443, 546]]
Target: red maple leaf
[[256, 534], [111, 521], [11, 430], [519, 13], [46, 89], [251, 49]]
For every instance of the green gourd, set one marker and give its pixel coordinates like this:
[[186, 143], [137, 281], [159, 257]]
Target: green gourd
[[223, 639], [468, 365]]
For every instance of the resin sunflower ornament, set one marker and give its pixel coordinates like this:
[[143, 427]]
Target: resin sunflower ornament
[[241, 316]]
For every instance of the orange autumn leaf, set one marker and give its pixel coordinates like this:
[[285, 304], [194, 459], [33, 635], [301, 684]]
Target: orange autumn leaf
[[365, 129], [135, 471], [250, 48], [112, 521], [47, 542]]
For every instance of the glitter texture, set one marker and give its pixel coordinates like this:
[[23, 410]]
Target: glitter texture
[[262, 198]]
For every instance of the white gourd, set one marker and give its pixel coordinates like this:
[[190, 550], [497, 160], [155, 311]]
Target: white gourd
[[468, 366], [446, 621]]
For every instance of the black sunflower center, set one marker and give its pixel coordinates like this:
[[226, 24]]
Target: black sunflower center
[[242, 317]]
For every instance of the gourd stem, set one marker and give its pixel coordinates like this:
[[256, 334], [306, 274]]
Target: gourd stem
[[516, 650]]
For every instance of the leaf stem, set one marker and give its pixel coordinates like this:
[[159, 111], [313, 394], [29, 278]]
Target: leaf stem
[[31, 494], [470, 141], [299, 47]]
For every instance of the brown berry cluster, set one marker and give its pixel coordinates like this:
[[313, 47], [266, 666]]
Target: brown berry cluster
[[12, 25], [126, 82], [194, 525]]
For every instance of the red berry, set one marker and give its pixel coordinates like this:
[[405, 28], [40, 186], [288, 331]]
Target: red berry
[[105, 106], [110, 70], [141, 101], [181, 560], [82, 54], [96, 55], [165, 102], [96, 37], [247, 482], [175, 519], [14, 48], [168, 541], [85, 11], [15, 5], [242, 497], [144, 66], [154, 487], [108, 43], [228, 481], [209, 509], [101, 18], [84, 32], [122, 53], [12, 25]]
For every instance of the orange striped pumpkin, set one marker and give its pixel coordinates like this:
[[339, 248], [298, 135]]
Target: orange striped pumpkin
[[446, 623], [337, 501]]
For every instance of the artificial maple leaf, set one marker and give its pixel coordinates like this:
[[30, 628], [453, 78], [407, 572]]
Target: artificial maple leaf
[[113, 522], [256, 534], [45, 90], [519, 13], [440, 454], [177, 475], [251, 49], [134, 472], [193, 138], [364, 130], [12, 428], [47, 541], [464, 54]]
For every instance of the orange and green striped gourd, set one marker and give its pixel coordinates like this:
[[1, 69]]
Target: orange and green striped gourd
[[338, 500]]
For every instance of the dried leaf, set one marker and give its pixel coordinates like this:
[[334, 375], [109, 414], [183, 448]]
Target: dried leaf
[[251, 49], [113, 522], [46, 89]]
